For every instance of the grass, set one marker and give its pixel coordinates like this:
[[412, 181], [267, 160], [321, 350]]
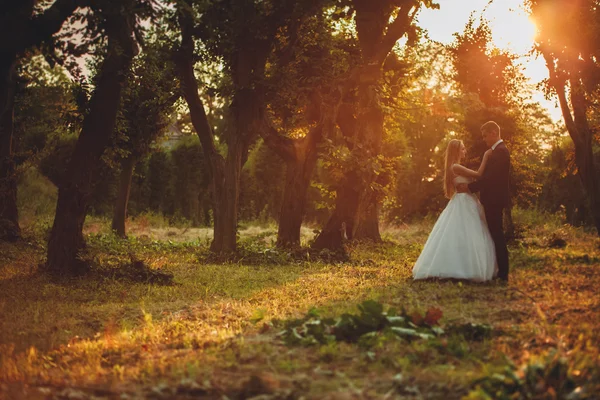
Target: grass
[[211, 334]]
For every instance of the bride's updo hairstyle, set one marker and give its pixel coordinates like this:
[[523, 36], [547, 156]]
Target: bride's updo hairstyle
[[452, 157]]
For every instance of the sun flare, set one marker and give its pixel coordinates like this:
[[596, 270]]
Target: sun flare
[[512, 28]]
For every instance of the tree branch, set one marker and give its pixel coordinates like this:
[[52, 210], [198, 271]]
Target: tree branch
[[42, 27], [578, 102], [397, 29], [184, 60], [282, 145], [559, 87]]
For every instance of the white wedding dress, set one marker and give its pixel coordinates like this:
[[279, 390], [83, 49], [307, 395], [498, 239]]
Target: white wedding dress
[[460, 245]]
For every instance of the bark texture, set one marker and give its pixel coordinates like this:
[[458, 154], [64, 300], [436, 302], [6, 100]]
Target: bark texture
[[120, 211], [66, 237], [362, 121], [19, 31]]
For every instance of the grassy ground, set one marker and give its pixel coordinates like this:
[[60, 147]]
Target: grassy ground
[[213, 333]]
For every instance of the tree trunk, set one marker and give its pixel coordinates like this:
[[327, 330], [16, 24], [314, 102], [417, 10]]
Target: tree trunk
[[66, 237], [300, 156], [368, 226], [576, 121], [343, 222], [120, 210], [355, 192], [377, 35], [19, 32], [9, 215], [224, 173], [214, 161], [582, 136], [584, 158], [226, 212], [297, 181]]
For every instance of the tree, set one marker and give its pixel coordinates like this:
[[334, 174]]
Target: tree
[[241, 34], [303, 101], [562, 190], [361, 120], [190, 182], [572, 56], [149, 96], [492, 87], [23, 26], [115, 22]]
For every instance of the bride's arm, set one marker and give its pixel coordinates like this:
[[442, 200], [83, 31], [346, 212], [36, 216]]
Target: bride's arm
[[484, 162], [469, 173], [464, 171]]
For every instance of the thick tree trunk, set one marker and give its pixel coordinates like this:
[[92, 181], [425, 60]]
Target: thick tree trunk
[[364, 130], [343, 222], [224, 173], [19, 31], [66, 237], [584, 158], [120, 210], [300, 156], [214, 161], [582, 135], [354, 193], [9, 216], [368, 225], [576, 121], [297, 181], [226, 212]]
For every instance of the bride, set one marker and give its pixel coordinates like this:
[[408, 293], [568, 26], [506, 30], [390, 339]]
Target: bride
[[460, 245]]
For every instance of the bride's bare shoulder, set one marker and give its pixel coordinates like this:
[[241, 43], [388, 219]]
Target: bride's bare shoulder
[[457, 168]]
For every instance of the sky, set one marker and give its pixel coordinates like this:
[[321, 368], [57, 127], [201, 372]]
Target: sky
[[511, 30]]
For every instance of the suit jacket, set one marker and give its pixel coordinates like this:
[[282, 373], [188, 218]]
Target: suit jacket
[[493, 185]]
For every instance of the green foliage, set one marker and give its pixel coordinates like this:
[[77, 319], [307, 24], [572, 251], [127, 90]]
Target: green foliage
[[191, 183], [493, 87], [36, 196], [416, 132], [262, 185], [562, 191], [547, 377], [45, 111], [148, 101], [160, 182], [85, 31], [85, 333], [372, 323], [471, 331]]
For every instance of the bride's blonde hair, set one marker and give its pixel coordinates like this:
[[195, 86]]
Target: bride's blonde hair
[[452, 157]]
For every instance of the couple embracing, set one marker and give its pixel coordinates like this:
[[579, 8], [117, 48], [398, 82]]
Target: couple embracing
[[467, 241]]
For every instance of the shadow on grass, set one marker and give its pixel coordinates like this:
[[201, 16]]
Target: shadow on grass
[[213, 323]]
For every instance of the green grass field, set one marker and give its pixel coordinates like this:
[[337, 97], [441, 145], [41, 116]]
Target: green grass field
[[215, 331]]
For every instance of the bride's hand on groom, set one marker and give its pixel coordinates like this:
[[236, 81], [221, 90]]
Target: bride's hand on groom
[[462, 188]]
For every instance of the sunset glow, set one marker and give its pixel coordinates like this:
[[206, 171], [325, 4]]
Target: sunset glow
[[512, 30]]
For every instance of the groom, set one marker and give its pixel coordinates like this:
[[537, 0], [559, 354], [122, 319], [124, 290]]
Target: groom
[[494, 195]]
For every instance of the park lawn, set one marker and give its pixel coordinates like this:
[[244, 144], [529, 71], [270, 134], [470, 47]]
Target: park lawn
[[214, 332]]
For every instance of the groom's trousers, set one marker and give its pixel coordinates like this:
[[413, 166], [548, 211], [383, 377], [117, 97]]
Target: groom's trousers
[[493, 216]]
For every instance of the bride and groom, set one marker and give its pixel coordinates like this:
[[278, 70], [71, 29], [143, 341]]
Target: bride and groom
[[467, 241]]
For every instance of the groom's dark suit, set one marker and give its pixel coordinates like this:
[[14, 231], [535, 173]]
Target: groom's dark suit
[[495, 197]]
